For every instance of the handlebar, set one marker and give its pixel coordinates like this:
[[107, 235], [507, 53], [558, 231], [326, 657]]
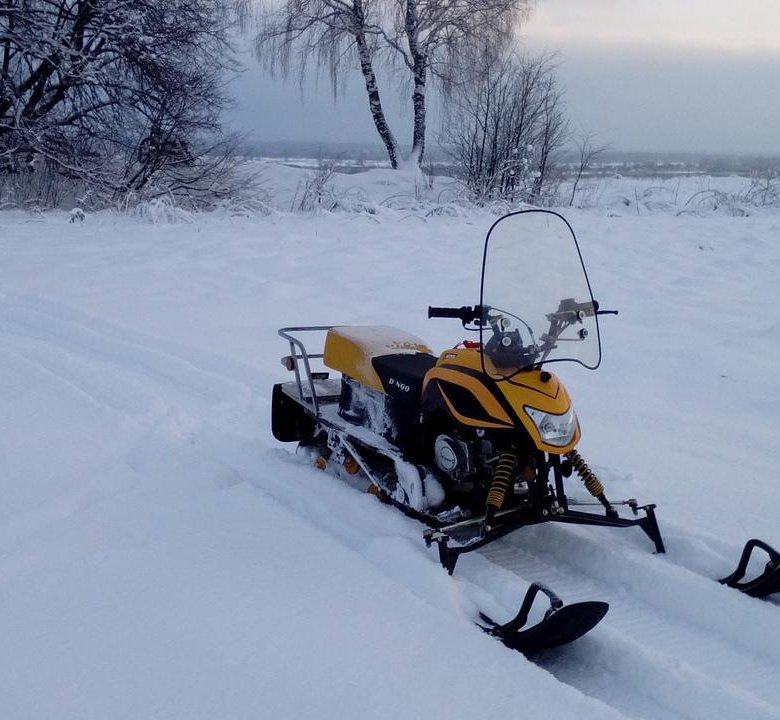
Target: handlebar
[[468, 313], [465, 314]]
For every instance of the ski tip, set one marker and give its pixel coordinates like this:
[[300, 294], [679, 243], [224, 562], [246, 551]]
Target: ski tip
[[765, 583], [561, 627]]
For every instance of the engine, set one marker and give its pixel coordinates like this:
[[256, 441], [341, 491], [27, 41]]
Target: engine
[[453, 457], [475, 466]]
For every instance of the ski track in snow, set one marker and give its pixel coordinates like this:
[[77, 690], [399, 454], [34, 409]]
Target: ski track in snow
[[114, 367], [668, 642], [135, 382], [668, 629]]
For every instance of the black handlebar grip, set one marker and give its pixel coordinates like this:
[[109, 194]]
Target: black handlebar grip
[[444, 312]]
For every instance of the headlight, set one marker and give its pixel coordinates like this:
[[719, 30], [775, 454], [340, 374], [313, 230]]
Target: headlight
[[557, 430]]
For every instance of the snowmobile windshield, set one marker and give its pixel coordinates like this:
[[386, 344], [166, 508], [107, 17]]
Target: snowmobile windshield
[[536, 302]]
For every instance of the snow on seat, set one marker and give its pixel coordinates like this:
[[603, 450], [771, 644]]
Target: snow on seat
[[350, 350]]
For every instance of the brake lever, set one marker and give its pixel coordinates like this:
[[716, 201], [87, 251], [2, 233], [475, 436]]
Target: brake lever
[[602, 312]]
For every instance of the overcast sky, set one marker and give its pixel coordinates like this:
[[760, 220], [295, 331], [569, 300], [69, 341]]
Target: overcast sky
[[675, 75]]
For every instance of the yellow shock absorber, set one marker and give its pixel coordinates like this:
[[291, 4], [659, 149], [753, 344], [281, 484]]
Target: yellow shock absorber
[[502, 478], [592, 483]]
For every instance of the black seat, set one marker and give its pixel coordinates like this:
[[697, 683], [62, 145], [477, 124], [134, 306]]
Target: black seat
[[402, 374]]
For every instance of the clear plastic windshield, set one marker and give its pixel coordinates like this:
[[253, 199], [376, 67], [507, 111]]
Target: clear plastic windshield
[[536, 300]]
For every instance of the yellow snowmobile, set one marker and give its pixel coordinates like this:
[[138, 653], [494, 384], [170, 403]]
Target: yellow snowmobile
[[477, 441]]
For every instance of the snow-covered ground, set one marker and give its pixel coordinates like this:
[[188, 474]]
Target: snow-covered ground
[[161, 556]]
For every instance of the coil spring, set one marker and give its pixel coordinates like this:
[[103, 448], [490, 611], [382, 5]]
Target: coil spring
[[502, 478], [592, 483]]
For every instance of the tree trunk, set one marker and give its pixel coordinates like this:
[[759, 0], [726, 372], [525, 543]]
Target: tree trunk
[[374, 101], [419, 68], [418, 102]]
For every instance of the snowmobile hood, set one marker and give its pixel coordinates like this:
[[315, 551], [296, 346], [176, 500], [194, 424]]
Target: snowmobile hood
[[538, 393], [506, 403]]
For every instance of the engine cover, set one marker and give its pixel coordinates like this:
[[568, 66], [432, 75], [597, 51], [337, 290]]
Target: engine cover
[[451, 456]]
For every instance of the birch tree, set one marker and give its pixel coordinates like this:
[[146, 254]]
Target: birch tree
[[424, 37], [431, 37], [332, 33]]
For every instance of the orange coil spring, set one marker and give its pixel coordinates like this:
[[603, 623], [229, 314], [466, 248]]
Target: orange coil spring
[[502, 478], [592, 483]]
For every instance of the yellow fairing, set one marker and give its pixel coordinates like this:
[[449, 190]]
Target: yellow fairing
[[463, 367], [349, 350], [489, 403]]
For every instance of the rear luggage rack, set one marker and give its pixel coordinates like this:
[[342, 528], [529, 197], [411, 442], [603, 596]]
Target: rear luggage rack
[[307, 392]]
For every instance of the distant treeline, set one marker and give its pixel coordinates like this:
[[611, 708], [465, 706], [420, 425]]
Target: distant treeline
[[348, 156]]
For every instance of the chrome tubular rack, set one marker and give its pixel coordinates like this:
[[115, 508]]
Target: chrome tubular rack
[[304, 378]]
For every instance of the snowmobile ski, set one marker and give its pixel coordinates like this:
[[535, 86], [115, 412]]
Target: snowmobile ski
[[767, 583], [562, 624], [470, 535]]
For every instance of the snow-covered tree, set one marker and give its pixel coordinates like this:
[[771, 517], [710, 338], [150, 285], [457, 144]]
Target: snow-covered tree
[[431, 37], [118, 94], [425, 37], [504, 124], [329, 32], [587, 153]]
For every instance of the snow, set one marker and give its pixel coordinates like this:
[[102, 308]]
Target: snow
[[162, 556]]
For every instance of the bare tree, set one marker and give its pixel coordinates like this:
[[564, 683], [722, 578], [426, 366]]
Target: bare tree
[[504, 126], [553, 130], [330, 32], [432, 36], [426, 37], [120, 94], [587, 152]]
